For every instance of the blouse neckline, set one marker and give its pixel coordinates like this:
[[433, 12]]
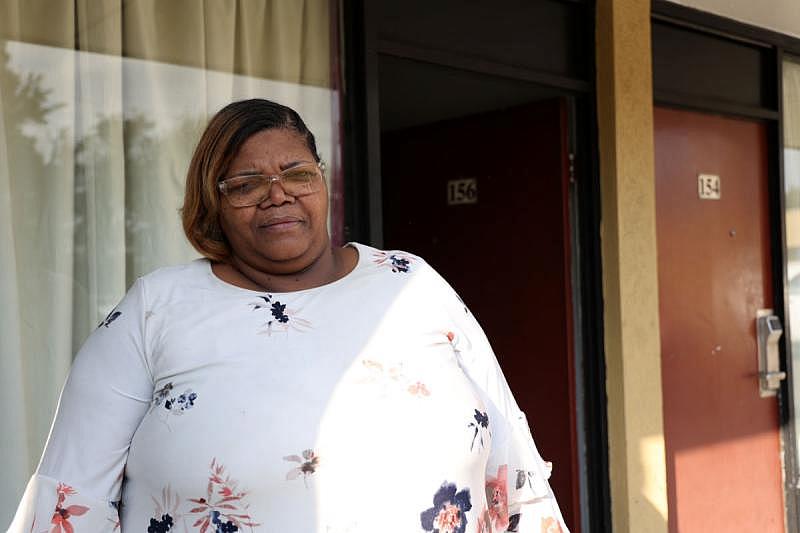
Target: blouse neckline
[[216, 280]]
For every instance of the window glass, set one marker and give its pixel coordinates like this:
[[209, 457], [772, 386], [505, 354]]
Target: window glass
[[791, 140], [101, 104]]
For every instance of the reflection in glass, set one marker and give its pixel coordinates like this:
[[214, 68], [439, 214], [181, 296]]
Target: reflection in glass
[[791, 140], [100, 108]]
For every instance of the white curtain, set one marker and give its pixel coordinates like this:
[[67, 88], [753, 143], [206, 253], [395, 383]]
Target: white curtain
[[101, 102]]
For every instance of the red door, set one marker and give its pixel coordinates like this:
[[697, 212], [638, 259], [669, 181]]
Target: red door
[[507, 254], [722, 438]]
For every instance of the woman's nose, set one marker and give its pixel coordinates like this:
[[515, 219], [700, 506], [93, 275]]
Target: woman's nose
[[276, 195]]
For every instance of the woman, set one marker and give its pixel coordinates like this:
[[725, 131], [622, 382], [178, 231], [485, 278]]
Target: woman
[[280, 384]]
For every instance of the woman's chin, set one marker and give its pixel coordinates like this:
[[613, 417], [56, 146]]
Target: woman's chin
[[290, 255]]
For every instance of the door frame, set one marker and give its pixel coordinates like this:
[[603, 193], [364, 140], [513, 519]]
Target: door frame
[[774, 46], [361, 51]]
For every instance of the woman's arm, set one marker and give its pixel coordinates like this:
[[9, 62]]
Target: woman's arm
[[109, 388], [518, 493]]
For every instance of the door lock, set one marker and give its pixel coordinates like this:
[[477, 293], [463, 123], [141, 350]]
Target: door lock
[[769, 331]]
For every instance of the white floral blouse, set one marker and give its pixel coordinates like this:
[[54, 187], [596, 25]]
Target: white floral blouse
[[373, 403]]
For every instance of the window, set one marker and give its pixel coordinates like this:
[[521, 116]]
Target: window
[[101, 103], [791, 155]]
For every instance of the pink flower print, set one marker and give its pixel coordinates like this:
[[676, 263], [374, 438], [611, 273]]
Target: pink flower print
[[391, 379], [551, 525], [458, 342], [497, 498], [223, 505], [62, 514], [308, 465], [377, 373], [418, 389], [484, 524], [448, 519]]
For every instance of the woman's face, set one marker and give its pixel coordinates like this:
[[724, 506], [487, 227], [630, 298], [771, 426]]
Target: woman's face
[[282, 234]]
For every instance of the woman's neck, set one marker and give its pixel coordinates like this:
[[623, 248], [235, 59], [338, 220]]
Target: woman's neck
[[332, 264]]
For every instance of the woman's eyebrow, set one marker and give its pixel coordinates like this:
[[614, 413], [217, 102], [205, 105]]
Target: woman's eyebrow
[[293, 164], [245, 172], [253, 170]]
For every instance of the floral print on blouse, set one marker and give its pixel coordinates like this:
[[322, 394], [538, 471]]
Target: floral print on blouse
[[64, 512], [449, 511], [374, 403]]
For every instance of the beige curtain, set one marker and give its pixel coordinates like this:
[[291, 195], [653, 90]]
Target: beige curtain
[[101, 102]]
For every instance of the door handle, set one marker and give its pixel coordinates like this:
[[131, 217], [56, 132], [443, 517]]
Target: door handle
[[769, 331]]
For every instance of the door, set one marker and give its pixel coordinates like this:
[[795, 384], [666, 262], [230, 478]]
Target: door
[[484, 200], [722, 438]]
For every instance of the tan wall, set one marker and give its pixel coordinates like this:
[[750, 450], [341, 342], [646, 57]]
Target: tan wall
[[778, 15], [632, 343]]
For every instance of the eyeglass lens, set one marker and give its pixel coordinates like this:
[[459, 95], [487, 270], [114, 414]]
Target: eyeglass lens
[[244, 191]]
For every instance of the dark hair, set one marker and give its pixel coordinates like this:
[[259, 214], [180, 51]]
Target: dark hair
[[225, 134]]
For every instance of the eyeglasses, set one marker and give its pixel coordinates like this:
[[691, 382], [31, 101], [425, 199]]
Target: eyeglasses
[[252, 189]]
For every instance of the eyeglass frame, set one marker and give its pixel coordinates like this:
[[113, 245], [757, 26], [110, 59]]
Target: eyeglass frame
[[272, 178]]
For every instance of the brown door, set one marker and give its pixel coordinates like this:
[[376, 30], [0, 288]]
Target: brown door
[[722, 438], [507, 254]]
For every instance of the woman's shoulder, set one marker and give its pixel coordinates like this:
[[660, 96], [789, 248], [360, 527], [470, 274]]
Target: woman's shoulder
[[176, 282], [402, 264], [396, 261], [172, 274]]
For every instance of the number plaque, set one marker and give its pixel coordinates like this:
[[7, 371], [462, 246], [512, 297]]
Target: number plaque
[[463, 191], [708, 187]]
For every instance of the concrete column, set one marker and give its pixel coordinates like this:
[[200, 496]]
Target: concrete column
[[630, 288]]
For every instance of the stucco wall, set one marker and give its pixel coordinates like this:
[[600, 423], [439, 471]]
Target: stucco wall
[[630, 281], [778, 15]]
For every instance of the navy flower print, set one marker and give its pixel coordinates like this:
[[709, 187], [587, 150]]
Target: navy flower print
[[222, 527], [171, 404], [160, 526], [166, 507], [174, 404], [449, 511], [513, 523], [111, 317], [280, 318], [279, 312], [524, 476], [480, 425], [182, 403], [161, 394], [398, 262]]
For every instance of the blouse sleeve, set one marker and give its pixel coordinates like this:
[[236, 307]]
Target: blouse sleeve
[[76, 486], [519, 497]]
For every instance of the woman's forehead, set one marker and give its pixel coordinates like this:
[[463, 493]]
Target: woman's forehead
[[272, 143]]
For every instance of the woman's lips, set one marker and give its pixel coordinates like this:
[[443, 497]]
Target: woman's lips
[[279, 223]]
